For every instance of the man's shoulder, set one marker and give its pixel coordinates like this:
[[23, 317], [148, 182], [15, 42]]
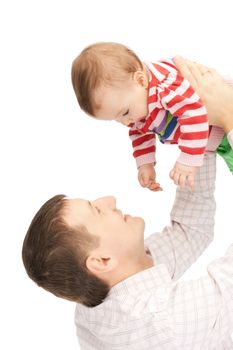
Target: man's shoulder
[[111, 311]]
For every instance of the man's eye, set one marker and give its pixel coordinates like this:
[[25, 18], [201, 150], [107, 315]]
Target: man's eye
[[127, 112], [98, 210]]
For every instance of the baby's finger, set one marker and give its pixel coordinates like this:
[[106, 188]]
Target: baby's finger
[[176, 178], [182, 180], [191, 182], [171, 174], [155, 187], [142, 181], [142, 184]]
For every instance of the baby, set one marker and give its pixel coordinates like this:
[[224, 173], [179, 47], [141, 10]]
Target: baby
[[111, 83]]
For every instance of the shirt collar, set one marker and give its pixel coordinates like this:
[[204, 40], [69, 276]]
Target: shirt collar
[[155, 278], [146, 291]]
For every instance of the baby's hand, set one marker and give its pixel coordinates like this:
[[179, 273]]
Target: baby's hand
[[183, 174], [147, 177]]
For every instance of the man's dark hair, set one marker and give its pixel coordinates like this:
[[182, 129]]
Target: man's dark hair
[[54, 255]]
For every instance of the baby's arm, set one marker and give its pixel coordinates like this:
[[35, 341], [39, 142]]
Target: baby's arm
[[144, 154], [147, 177], [182, 174], [182, 101], [192, 142]]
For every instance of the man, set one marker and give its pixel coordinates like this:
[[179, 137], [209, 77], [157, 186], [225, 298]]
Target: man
[[126, 289]]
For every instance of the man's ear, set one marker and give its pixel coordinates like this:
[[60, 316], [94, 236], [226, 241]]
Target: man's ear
[[140, 78], [99, 265]]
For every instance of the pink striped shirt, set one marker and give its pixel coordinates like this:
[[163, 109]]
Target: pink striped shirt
[[189, 128]]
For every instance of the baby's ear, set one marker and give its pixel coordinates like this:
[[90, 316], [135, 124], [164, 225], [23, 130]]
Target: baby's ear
[[140, 78]]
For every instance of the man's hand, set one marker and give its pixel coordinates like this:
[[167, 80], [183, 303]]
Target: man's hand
[[216, 94], [147, 177], [183, 175]]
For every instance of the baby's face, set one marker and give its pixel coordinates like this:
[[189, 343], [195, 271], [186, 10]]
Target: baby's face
[[125, 102]]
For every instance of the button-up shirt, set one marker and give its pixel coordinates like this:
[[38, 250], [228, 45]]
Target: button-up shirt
[[153, 309]]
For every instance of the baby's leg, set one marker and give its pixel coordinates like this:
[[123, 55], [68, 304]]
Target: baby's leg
[[230, 133], [230, 138], [225, 150]]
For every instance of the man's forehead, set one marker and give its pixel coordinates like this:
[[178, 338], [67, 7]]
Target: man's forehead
[[77, 202], [76, 210]]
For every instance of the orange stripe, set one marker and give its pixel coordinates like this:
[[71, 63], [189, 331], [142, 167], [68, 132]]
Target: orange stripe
[[188, 107], [150, 120], [134, 132], [194, 120], [169, 64], [152, 99], [177, 135], [192, 151], [142, 139], [197, 135], [189, 92], [141, 152], [161, 69]]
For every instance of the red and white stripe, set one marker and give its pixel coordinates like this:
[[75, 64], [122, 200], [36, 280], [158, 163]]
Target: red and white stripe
[[168, 90]]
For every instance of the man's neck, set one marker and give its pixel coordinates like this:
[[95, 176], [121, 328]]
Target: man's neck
[[145, 262]]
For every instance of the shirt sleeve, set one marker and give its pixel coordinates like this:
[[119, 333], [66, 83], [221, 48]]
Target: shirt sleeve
[[192, 223], [179, 98], [143, 146], [203, 308]]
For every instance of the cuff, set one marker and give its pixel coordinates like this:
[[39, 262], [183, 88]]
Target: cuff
[[145, 159], [190, 159]]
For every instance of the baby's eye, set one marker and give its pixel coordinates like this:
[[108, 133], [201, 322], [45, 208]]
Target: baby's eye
[[127, 112]]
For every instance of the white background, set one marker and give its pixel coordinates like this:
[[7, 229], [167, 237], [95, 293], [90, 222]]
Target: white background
[[48, 146]]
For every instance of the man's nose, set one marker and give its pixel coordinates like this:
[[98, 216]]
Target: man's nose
[[108, 202], [111, 201]]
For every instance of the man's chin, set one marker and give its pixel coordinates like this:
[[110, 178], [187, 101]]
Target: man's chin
[[139, 222]]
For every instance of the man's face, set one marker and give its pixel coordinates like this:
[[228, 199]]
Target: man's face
[[125, 102], [121, 235]]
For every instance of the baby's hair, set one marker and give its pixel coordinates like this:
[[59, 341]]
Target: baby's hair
[[99, 64]]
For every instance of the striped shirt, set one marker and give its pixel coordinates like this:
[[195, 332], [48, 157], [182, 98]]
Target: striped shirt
[[153, 309], [177, 115]]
